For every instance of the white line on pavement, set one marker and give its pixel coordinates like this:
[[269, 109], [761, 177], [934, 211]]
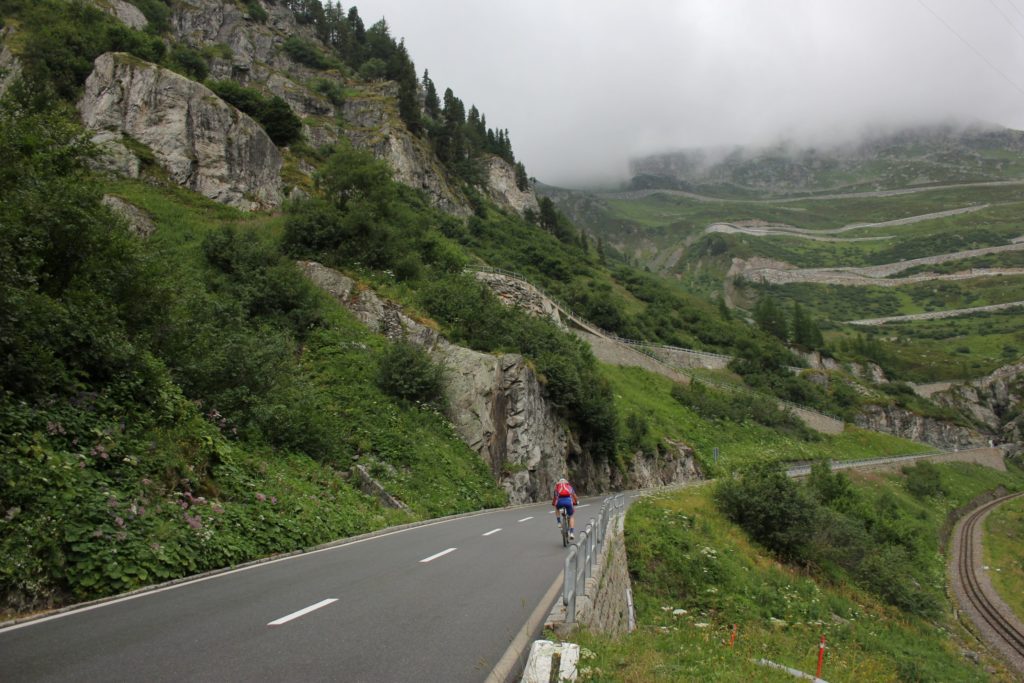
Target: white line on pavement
[[302, 612], [524, 519], [437, 555], [492, 531], [584, 505]]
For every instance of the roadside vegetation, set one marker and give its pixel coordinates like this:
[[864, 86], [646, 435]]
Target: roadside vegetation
[[855, 558]]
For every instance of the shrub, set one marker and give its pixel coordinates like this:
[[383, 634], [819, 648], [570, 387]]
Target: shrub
[[256, 11], [924, 480], [406, 372], [771, 507], [305, 52], [273, 113], [189, 61]]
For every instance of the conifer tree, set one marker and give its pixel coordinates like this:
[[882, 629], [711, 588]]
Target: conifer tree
[[431, 103]]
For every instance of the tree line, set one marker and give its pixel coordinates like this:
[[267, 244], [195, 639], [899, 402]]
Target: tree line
[[460, 137]]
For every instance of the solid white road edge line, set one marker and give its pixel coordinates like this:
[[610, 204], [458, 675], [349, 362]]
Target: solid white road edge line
[[492, 531], [524, 519], [437, 555], [502, 672], [302, 612]]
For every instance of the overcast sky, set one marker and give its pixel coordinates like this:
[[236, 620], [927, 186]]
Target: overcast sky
[[583, 85]]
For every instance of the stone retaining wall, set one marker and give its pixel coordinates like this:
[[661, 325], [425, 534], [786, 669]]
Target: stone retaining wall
[[604, 605]]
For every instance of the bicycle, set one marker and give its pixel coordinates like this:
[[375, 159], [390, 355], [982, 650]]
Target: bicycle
[[563, 525]]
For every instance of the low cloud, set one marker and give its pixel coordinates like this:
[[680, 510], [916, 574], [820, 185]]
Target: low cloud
[[584, 85]]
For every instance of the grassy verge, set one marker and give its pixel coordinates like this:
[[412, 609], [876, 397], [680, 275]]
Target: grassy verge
[[696, 575]]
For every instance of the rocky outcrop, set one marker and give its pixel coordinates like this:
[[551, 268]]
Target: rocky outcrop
[[495, 402], [816, 361], [497, 405], [252, 54], [909, 425], [203, 143], [372, 122], [503, 189], [518, 293], [995, 401], [125, 12], [10, 67], [138, 220]]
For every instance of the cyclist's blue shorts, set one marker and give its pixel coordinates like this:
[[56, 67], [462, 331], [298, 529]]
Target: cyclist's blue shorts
[[565, 502]]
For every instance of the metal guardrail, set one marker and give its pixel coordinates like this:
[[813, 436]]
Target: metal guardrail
[[804, 470], [586, 553], [644, 347]]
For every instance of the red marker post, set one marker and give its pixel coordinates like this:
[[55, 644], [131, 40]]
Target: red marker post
[[732, 640], [821, 656]]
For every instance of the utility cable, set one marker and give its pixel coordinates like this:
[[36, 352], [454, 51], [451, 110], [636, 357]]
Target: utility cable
[[1007, 18], [972, 48]]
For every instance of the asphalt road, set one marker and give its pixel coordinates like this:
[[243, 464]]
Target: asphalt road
[[439, 602]]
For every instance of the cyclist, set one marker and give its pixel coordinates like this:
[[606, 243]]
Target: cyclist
[[565, 497]]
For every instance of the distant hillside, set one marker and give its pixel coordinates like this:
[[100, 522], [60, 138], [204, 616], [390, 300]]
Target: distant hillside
[[914, 157]]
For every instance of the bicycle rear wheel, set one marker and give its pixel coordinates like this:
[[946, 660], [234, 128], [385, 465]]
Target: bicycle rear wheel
[[564, 522]]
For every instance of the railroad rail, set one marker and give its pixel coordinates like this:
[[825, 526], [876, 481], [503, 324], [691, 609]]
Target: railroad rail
[[986, 609]]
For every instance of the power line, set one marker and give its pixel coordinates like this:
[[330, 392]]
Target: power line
[[1014, 6], [1007, 18], [972, 48]]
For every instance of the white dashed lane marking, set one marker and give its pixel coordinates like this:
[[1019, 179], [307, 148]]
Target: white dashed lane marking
[[492, 531], [302, 612], [437, 555], [525, 519]]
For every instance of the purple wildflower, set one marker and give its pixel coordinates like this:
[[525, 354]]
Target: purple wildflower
[[260, 497]]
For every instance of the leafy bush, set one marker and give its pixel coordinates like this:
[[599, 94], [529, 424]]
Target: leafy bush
[[924, 479], [273, 113], [62, 39], [305, 52], [738, 406], [771, 507], [72, 282], [189, 61], [408, 373], [256, 11]]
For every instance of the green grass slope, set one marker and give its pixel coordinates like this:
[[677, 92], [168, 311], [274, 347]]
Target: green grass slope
[[697, 576]]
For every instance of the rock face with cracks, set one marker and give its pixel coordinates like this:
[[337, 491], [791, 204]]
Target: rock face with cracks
[[498, 407], [203, 143]]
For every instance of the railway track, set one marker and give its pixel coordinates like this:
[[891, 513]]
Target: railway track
[[993, 618]]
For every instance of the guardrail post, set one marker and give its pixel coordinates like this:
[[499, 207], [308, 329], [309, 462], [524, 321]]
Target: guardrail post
[[569, 579]]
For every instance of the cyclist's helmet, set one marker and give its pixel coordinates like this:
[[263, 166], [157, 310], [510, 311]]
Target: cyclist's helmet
[[563, 480]]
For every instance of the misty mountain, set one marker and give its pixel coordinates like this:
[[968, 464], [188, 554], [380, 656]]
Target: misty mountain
[[923, 156]]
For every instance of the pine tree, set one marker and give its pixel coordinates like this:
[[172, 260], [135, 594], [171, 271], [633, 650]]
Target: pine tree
[[770, 318], [431, 103]]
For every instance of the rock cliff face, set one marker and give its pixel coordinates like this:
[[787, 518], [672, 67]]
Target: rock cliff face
[[502, 188], [517, 293], [372, 122], [497, 405], [10, 67], [996, 401], [250, 52], [909, 425], [203, 143]]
